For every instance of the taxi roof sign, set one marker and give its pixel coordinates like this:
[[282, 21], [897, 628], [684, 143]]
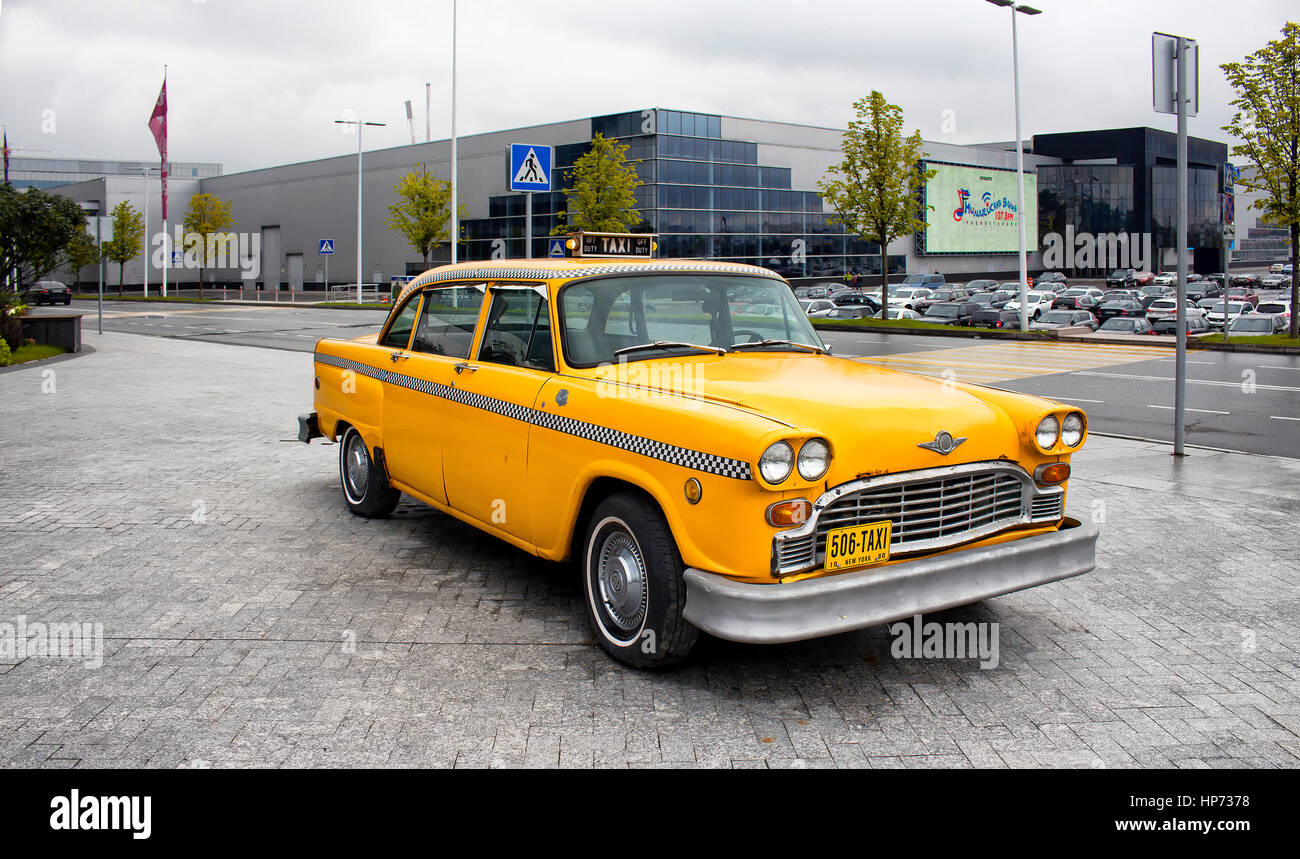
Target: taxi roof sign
[[584, 244]]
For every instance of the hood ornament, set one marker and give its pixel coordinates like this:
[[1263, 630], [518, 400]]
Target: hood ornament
[[943, 443]]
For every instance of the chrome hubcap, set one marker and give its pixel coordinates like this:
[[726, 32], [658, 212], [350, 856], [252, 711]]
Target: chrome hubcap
[[357, 466], [621, 574]]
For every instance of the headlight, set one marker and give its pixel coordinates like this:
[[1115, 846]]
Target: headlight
[[1072, 429], [776, 462], [1049, 428], [814, 459]]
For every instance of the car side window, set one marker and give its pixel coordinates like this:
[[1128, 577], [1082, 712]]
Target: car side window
[[448, 320], [399, 333], [518, 330]]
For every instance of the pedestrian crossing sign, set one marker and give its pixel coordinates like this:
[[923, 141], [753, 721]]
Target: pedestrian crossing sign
[[530, 167]]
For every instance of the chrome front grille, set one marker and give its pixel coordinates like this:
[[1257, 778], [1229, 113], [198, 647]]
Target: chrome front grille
[[931, 510]]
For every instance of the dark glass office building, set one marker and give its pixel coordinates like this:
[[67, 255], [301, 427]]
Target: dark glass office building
[[1125, 180]]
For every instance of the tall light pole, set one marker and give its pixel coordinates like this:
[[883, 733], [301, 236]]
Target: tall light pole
[[358, 123], [1020, 155], [144, 173], [455, 211]]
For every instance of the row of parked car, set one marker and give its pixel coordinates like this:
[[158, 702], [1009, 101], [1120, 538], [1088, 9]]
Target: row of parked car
[[1151, 308]]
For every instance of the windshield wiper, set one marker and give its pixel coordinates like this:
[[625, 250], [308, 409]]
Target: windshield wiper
[[669, 344], [816, 349]]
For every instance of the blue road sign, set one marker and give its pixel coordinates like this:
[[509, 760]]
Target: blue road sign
[[555, 248], [327, 246], [530, 167]]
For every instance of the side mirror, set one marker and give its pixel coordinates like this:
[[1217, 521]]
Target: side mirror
[[828, 348]]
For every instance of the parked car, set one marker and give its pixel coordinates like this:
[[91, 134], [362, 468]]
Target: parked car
[[1240, 294], [1274, 281], [1144, 278], [1166, 307], [1257, 325], [981, 285], [1077, 298], [1036, 303], [1055, 278], [1122, 277], [1196, 325], [1218, 277], [1125, 307], [995, 318], [1277, 268], [1245, 278], [921, 305], [819, 308], [1275, 308], [900, 313], [950, 312], [1196, 291], [1165, 278], [932, 281], [1214, 314], [1054, 319], [1126, 325], [47, 292], [487, 390], [908, 296], [985, 299]]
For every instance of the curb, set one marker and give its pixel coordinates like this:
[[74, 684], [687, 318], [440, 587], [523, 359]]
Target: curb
[[240, 303]]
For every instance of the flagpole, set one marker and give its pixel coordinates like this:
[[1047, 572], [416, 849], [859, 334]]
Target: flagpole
[[144, 171]]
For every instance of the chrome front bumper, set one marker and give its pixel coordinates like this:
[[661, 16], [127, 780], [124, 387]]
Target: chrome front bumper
[[770, 614]]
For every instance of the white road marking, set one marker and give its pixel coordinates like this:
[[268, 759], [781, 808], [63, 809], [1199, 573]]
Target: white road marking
[[1282, 418], [1189, 381], [1275, 367], [1204, 411]]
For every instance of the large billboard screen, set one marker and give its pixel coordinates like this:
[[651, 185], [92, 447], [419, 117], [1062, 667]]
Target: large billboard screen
[[974, 210]]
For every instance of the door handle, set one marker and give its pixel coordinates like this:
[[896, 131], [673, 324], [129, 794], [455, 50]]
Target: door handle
[[463, 366], [394, 356]]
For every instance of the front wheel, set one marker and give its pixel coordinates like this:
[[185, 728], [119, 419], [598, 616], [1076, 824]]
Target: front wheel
[[365, 489], [633, 585]]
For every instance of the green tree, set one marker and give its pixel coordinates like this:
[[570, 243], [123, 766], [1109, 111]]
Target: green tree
[[81, 253], [876, 190], [206, 221], [422, 213], [1266, 88], [35, 229], [127, 241], [601, 198]]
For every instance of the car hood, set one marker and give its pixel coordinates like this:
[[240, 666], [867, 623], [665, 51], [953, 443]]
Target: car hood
[[872, 416]]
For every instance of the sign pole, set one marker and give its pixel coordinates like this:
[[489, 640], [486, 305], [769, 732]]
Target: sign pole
[[99, 270], [528, 224], [1180, 372]]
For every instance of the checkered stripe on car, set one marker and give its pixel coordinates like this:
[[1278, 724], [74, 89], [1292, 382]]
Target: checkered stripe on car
[[474, 274], [693, 459]]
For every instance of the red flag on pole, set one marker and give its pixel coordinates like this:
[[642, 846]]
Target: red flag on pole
[[158, 125]]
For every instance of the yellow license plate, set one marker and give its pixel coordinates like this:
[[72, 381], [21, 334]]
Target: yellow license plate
[[858, 545]]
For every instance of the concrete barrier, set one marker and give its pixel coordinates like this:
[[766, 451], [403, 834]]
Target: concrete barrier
[[62, 329]]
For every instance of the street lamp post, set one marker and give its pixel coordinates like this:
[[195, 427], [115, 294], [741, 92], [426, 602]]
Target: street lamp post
[[144, 173], [1020, 155], [358, 123]]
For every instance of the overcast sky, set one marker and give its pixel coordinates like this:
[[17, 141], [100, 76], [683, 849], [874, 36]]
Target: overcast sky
[[255, 83]]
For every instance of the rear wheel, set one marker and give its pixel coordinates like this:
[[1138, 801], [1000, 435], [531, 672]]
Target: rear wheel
[[633, 585], [365, 489]]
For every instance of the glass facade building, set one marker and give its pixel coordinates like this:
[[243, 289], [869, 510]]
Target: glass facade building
[[705, 196]]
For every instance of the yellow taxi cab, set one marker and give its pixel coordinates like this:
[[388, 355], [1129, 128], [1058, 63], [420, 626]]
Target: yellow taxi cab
[[678, 429]]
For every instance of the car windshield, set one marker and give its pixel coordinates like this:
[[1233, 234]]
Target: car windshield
[[1119, 273], [1269, 307], [605, 315], [1054, 318], [1246, 323], [1233, 306]]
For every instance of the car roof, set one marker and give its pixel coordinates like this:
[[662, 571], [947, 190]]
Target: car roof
[[569, 268]]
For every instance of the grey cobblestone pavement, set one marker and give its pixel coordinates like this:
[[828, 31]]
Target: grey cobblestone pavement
[[249, 620]]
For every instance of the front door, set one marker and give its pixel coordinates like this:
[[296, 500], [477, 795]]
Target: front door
[[485, 437], [419, 395]]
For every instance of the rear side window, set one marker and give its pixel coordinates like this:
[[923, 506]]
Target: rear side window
[[399, 333], [447, 321]]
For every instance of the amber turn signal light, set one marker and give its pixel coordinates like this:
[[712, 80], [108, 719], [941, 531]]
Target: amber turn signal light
[[782, 514], [1055, 472]]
